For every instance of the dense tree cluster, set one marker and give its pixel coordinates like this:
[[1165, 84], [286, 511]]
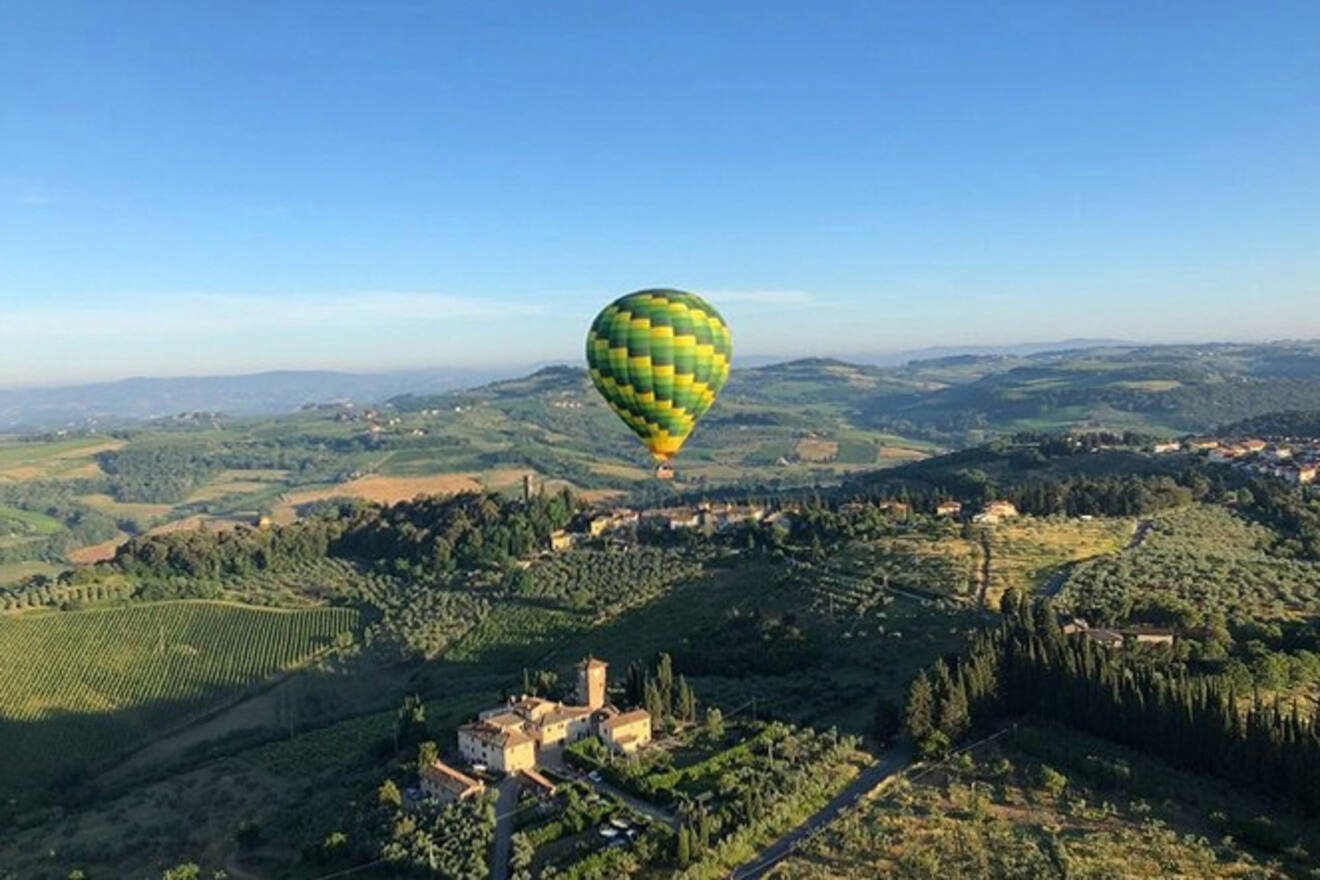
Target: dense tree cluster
[[606, 579], [669, 699], [1293, 423], [427, 536], [78, 524], [1028, 666], [449, 842], [155, 469], [1196, 563], [744, 643]]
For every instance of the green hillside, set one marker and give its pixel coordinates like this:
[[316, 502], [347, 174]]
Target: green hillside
[[1163, 389], [800, 423]]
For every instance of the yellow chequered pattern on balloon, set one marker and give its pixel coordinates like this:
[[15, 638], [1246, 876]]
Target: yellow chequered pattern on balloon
[[659, 358]]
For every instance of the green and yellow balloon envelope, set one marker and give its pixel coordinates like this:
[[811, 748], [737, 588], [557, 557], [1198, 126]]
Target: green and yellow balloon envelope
[[659, 358]]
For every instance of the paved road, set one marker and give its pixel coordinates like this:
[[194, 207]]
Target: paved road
[[897, 759], [506, 809]]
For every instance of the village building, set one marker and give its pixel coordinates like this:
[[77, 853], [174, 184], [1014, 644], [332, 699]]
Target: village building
[[501, 747], [725, 516], [672, 518], [1226, 454], [1109, 638], [1105, 638], [561, 540], [439, 780], [624, 732], [1148, 636], [1170, 446], [948, 508]]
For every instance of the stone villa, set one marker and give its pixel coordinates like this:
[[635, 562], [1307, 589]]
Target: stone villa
[[511, 738]]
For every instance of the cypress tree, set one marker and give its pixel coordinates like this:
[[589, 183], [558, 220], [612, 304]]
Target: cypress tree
[[919, 710], [683, 855]]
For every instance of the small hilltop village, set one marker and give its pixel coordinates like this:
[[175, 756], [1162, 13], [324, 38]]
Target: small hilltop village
[[528, 732], [1293, 460]]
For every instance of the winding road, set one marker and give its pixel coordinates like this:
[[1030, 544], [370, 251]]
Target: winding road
[[897, 759]]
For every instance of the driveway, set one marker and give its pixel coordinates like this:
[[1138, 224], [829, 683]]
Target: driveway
[[897, 759], [554, 760], [506, 810]]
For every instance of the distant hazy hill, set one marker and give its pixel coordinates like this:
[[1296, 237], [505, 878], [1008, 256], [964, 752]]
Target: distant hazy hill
[[948, 398], [256, 394], [959, 398], [1025, 349]]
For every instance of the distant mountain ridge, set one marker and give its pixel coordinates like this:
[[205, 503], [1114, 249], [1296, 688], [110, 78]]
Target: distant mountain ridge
[[947, 398], [257, 394]]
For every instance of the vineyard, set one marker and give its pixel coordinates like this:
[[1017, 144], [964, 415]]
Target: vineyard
[[78, 688]]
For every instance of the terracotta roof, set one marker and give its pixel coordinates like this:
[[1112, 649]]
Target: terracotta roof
[[593, 663], [531, 707], [625, 719], [499, 736], [447, 777], [531, 774], [565, 713], [505, 720]]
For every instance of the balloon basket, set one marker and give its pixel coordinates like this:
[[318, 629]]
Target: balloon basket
[[664, 472]]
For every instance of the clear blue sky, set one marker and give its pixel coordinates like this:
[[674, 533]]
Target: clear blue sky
[[230, 186]]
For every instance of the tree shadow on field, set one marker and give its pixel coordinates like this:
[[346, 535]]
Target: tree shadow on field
[[67, 756]]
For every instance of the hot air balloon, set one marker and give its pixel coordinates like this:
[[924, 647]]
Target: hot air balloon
[[659, 358]]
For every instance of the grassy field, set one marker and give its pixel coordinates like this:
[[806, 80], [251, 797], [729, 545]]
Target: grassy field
[[78, 688], [52, 460], [1026, 553], [131, 510], [26, 522], [15, 571], [1053, 805]]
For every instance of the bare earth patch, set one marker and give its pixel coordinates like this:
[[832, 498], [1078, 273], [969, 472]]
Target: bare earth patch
[[97, 552], [812, 449], [381, 489]]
